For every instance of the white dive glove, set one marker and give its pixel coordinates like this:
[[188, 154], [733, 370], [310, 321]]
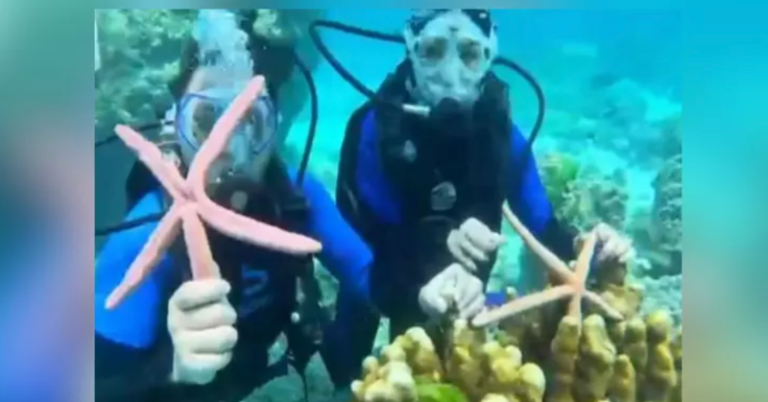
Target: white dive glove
[[454, 285], [201, 323], [472, 242]]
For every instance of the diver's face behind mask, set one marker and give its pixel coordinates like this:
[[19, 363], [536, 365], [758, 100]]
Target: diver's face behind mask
[[450, 54], [252, 141]]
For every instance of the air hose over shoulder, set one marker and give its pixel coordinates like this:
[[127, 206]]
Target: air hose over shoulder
[[396, 38]]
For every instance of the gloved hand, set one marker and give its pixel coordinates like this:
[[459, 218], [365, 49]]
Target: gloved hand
[[473, 241], [453, 286], [201, 323], [614, 247]]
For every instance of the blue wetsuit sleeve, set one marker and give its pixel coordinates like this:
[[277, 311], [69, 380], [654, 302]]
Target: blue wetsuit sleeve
[[344, 252], [375, 191], [135, 322], [132, 362], [528, 200]]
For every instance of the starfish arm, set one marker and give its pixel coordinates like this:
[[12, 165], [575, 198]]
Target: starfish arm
[[151, 156], [198, 246], [584, 261], [222, 130], [253, 231], [167, 230], [606, 308], [574, 306], [522, 304], [549, 258]]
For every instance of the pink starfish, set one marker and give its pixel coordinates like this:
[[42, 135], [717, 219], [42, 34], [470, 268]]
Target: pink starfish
[[191, 205], [574, 282]]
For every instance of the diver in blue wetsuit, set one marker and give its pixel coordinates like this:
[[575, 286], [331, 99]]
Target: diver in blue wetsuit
[[427, 164], [177, 339]]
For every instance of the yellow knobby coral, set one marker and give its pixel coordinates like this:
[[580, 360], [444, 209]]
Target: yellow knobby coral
[[623, 385], [636, 347], [661, 376], [565, 349], [530, 384], [392, 353], [594, 366], [395, 383], [465, 363], [502, 366], [419, 353], [625, 299], [496, 398], [677, 353]]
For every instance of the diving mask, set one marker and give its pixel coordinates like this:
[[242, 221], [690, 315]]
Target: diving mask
[[451, 52], [251, 140]]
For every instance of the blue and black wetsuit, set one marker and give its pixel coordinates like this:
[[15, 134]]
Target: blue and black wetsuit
[[133, 347], [405, 182]]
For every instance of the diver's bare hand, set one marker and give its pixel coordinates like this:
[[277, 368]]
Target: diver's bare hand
[[472, 242], [201, 323], [453, 286], [615, 247]]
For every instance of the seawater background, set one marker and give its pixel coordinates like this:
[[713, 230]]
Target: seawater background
[[564, 49]]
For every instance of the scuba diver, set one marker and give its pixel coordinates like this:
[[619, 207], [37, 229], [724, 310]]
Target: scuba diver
[[183, 339], [426, 165]]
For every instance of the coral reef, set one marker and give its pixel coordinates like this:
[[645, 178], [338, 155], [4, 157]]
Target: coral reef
[[539, 355], [139, 56], [658, 231], [140, 51], [472, 369], [636, 359], [582, 200], [667, 212], [661, 292]]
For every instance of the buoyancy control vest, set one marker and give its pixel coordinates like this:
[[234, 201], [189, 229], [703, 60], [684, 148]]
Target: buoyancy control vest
[[444, 171]]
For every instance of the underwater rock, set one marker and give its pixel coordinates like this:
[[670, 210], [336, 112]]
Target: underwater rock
[[582, 200], [667, 214], [665, 292], [141, 49], [671, 136]]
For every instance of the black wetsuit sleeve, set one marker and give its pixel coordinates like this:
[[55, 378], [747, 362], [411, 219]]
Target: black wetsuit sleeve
[[126, 374]]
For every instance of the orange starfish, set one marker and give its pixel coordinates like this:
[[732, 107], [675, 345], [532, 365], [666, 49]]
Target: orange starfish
[[574, 282], [191, 205]]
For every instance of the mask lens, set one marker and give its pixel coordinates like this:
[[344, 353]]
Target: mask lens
[[471, 53], [198, 113], [204, 116], [432, 49]]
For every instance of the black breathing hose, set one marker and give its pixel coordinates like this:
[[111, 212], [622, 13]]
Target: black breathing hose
[[313, 116], [395, 38], [129, 224], [359, 86]]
